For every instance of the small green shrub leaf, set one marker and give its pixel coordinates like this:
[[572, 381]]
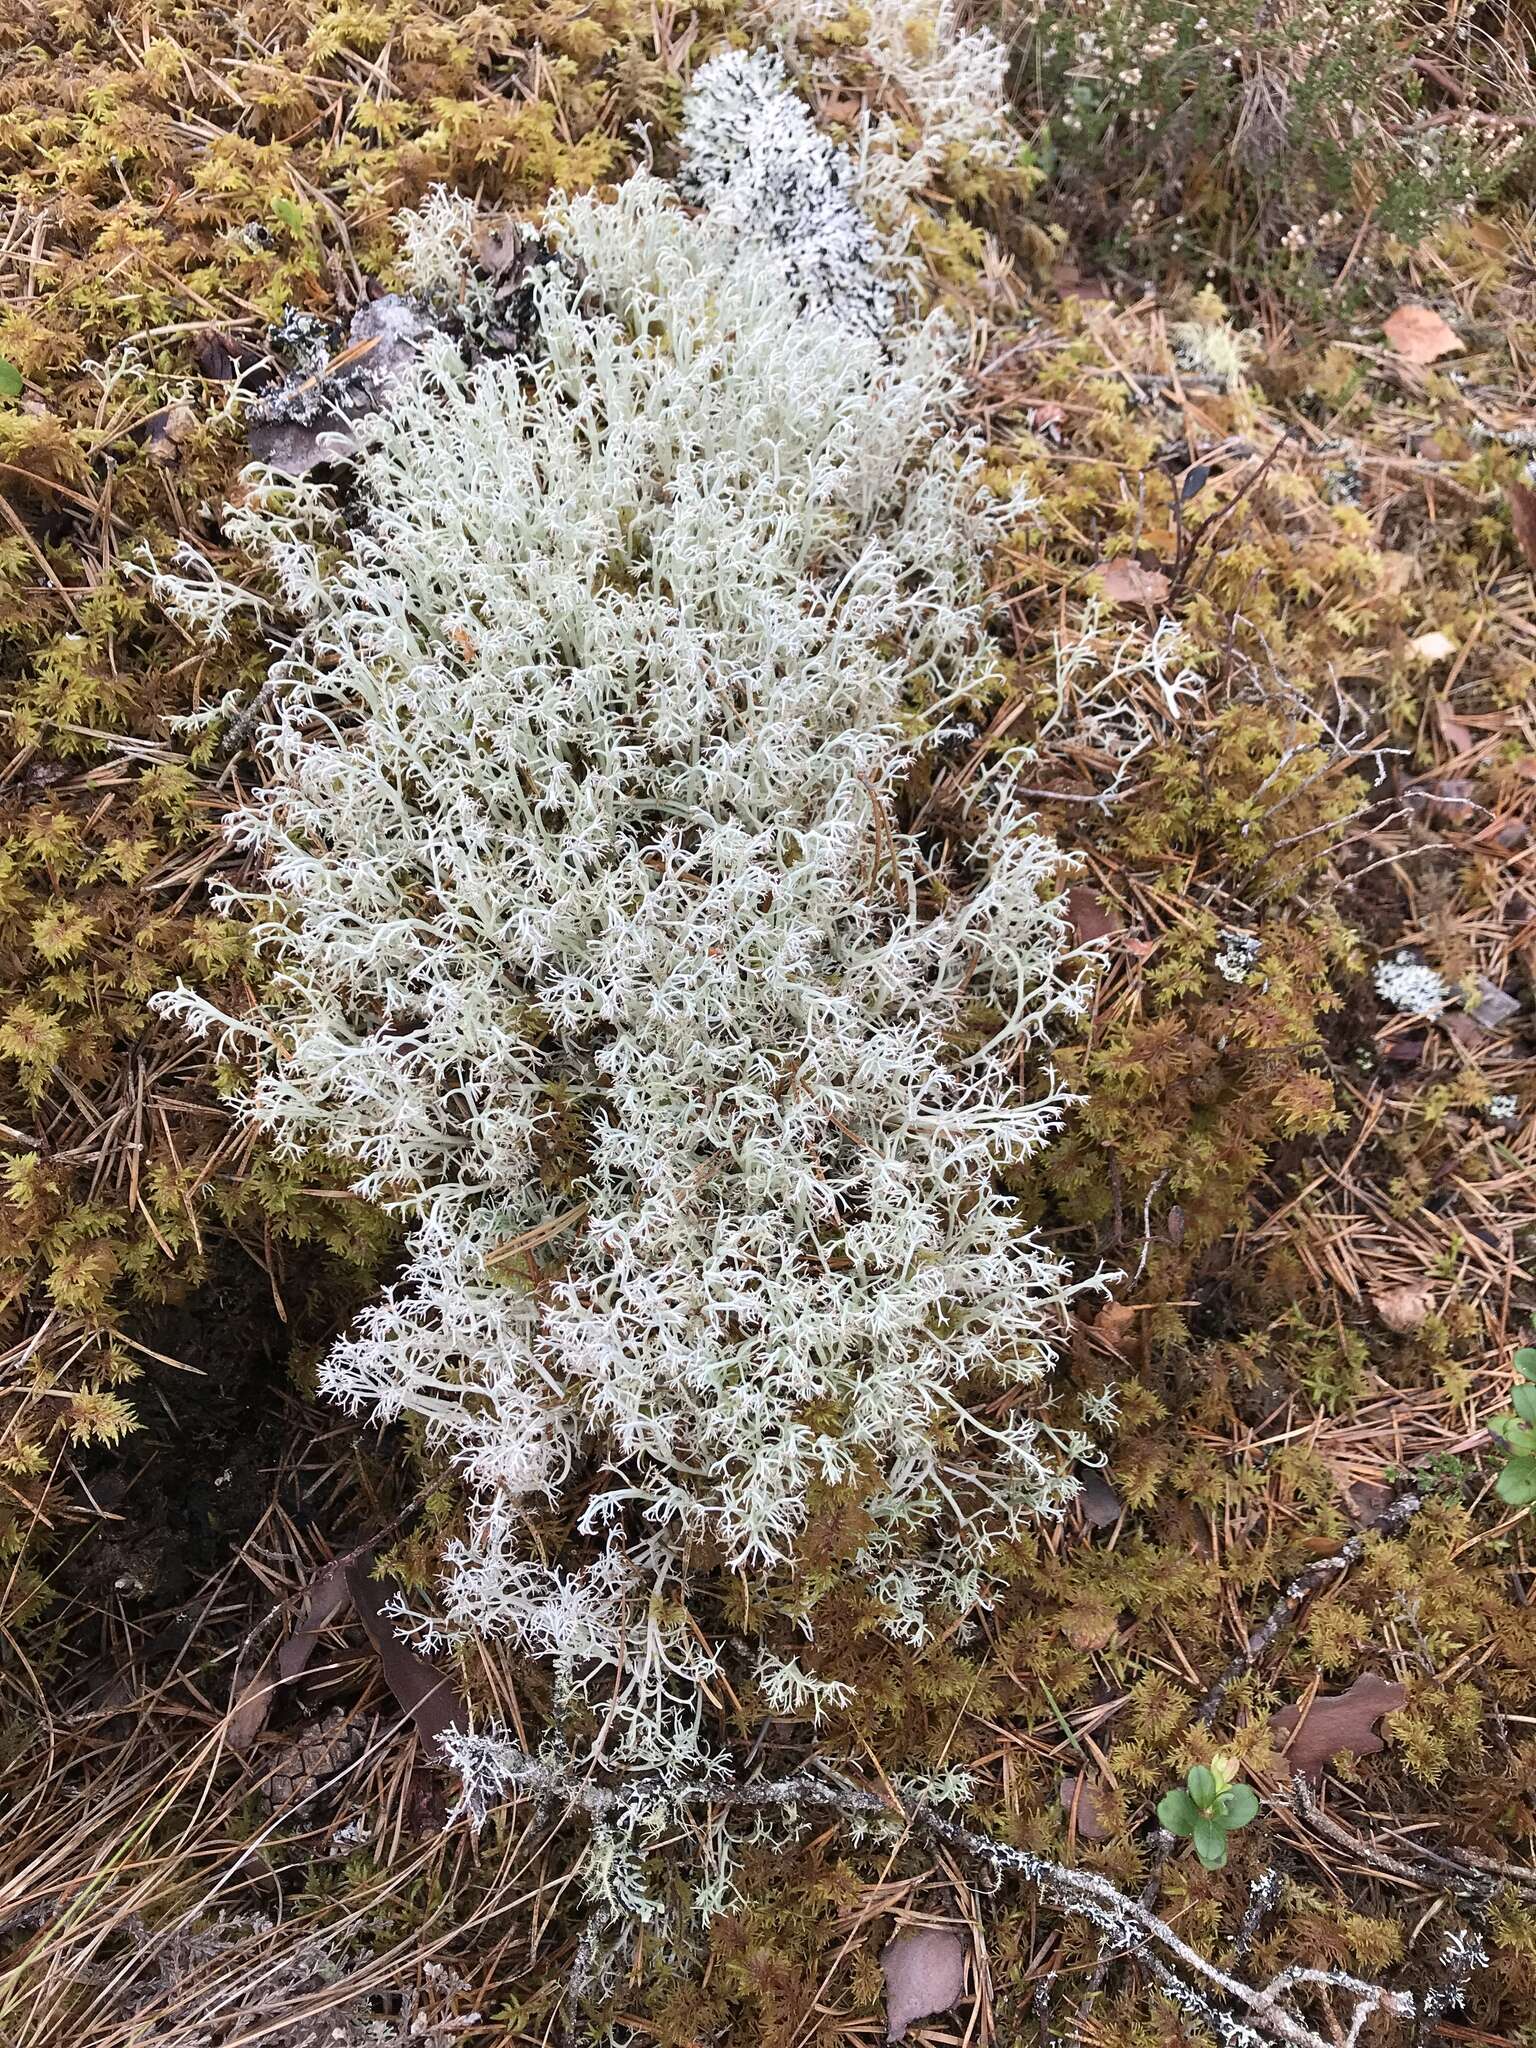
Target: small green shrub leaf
[[1202, 1786], [1211, 1843], [1238, 1805], [1178, 1812], [1516, 1484], [10, 387]]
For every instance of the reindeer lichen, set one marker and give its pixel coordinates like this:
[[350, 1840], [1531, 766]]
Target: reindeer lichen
[[591, 937]]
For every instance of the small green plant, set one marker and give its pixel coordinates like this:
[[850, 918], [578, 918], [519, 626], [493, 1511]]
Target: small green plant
[[1208, 1806], [1517, 1432]]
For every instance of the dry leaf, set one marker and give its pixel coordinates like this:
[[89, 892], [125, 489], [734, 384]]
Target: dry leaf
[[166, 433], [924, 1974], [250, 1705], [1406, 1051], [1089, 1628], [1114, 1323], [496, 243], [1100, 1505], [1404, 1309], [1091, 917], [326, 1596], [1072, 283], [1455, 733], [1126, 582], [1080, 1797], [1432, 647], [1419, 335], [1397, 571], [1492, 1006], [253, 1692], [425, 1692], [1337, 1723], [1366, 1500], [1522, 517]]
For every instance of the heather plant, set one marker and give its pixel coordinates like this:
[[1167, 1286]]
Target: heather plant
[[590, 933], [1229, 122]]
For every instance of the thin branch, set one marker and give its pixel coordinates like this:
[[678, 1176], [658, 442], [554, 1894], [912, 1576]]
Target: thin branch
[[1244, 2015]]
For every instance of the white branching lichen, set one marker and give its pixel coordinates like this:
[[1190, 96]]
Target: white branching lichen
[[1238, 955], [592, 938], [951, 82], [1408, 984], [753, 156], [1208, 346], [841, 219]]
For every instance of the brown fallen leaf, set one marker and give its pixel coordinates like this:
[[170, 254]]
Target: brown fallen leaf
[[1522, 517], [1091, 917], [1080, 1796], [251, 1694], [1492, 1007], [1124, 581], [1114, 1324], [1404, 1309], [258, 1679], [425, 1692], [1072, 283], [1419, 335], [1456, 733], [166, 433], [1406, 1051], [1337, 1724], [1099, 1504], [1366, 1500], [327, 1595], [1396, 569], [496, 242], [924, 1974]]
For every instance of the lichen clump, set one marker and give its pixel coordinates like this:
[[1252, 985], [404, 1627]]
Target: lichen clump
[[754, 157], [592, 938]]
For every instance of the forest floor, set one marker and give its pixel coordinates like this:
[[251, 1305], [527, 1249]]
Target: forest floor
[[223, 1821]]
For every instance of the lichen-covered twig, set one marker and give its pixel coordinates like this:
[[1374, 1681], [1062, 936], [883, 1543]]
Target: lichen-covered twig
[[1396, 1516], [1241, 2014], [1474, 1876]]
